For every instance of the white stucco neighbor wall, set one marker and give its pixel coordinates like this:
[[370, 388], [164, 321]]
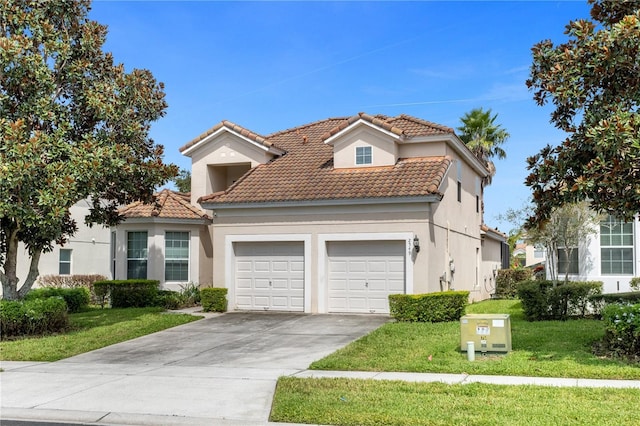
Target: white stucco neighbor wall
[[89, 250]]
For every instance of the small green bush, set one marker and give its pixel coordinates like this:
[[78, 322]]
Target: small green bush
[[430, 307], [169, 299], [622, 330], [214, 299], [128, 293], [542, 301], [77, 299], [635, 284], [507, 282], [72, 281], [629, 297], [33, 317]]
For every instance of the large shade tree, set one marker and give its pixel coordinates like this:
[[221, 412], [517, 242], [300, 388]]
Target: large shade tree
[[484, 137], [73, 125], [593, 82]]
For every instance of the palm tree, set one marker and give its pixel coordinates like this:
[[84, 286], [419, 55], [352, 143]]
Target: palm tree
[[483, 137]]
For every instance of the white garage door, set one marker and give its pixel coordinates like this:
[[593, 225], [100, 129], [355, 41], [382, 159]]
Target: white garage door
[[362, 274], [269, 276]]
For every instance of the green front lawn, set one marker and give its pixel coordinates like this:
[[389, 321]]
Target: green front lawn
[[545, 348], [92, 330], [371, 402]]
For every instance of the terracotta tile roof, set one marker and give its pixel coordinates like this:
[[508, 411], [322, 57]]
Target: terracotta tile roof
[[231, 126], [168, 205], [306, 172]]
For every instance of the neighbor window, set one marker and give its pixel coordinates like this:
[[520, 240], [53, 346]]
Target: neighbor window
[[538, 252], [616, 247], [137, 255], [363, 155], [176, 255], [64, 266], [572, 262]]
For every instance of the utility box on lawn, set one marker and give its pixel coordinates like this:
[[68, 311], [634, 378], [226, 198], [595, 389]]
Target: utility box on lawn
[[488, 332]]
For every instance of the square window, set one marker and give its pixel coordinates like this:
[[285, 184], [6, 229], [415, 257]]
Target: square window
[[363, 155]]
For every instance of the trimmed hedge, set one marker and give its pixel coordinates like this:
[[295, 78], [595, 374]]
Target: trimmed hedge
[[430, 307], [213, 299], [128, 293], [542, 301], [629, 297], [77, 299], [33, 317], [622, 330], [507, 282]]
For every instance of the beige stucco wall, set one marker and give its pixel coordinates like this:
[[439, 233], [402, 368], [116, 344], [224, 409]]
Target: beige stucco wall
[[384, 150], [225, 149], [156, 247]]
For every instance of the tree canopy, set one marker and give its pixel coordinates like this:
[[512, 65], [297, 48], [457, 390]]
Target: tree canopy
[[183, 180], [73, 125], [593, 81], [483, 136]]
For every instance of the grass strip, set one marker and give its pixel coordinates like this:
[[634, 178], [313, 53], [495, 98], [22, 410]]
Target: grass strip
[[544, 348], [370, 402], [92, 330]]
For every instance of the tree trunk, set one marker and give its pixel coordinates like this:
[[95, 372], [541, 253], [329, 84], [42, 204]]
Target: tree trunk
[[9, 276]]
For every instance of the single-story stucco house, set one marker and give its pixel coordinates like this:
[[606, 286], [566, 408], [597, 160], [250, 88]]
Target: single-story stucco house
[[331, 216]]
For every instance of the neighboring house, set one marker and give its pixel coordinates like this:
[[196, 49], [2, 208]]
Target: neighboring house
[[611, 256], [86, 253], [332, 216]]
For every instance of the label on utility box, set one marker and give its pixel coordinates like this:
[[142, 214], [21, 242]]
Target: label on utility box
[[483, 330], [498, 323]]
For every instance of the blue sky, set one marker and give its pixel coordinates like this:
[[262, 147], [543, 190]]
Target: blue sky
[[269, 66]]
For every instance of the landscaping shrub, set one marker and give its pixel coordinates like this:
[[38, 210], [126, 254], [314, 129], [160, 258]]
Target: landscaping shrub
[[128, 293], [77, 299], [169, 299], [214, 299], [622, 330], [33, 317], [542, 301], [430, 307], [635, 284], [507, 282], [629, 297], [190, 294], [72, 281]]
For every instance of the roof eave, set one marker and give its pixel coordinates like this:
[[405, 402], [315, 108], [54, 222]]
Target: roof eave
[[456, 143], [330, 140], [431, 198], [270, 149]]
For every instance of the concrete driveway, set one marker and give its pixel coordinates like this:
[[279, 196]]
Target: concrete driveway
[[220, 370]]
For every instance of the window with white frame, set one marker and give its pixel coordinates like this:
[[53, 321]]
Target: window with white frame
[[568, 262], [363, 155], [137, 254], [616, 247], [176, 256], [64, 264]]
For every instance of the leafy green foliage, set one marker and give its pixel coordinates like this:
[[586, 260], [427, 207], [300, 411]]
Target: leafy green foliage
[[592, 81], [635, 284], [72, 281], [430, 307], [507, 282], [622, 330], [128, 293], [74, 125], [629, 297], [545, 300], [183, 180], [77, 299], [214, 299], [33, 317], [483, 137]]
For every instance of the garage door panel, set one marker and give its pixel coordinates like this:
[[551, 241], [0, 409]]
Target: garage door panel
[[269, 276], [363, 273]]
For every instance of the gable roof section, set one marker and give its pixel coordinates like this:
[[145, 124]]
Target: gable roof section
[[169, 205], [240, 131], [306, 172]]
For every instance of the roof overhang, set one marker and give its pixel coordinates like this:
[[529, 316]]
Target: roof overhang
[[270, 149], [167, 220], [434, 198], [457, 145]]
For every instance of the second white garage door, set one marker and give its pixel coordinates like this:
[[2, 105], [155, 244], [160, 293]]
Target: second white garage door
[[269, 276], [362, 274]]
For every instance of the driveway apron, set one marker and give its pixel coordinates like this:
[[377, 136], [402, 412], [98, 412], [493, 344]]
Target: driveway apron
[[219, 370]]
